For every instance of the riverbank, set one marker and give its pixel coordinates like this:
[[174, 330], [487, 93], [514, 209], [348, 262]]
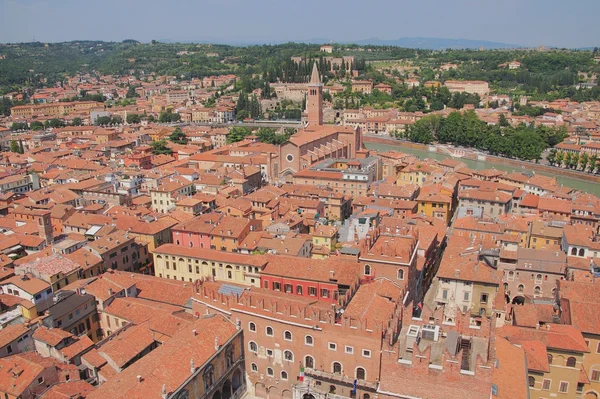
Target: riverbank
[[495, 160]]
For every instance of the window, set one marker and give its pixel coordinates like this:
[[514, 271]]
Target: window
[[520, 288], [266, 284], [287, 336], [546, 384], [444, 294], [276, 286], [254, 368], [595, 376], [400, 274], [571, 362], [308, 340], [312, 291], [287, 288], [466, 296], [531, 381], [367, 270], [537, 290], [270, 372], [270, 352], [361, 373], [309, 362], [288, 355], [284, 375], [337, 368], [252, 346], [269, 331], [549, 358], [349, 350], [563, 387], [252, 327], [366, 353], [332, 346], [324, 293], [484, 298], [299, 289]]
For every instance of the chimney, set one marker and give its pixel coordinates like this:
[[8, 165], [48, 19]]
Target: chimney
[[139, 378], [216, 343], [164, 391], [110, 292], [192, 366], [195, 332]]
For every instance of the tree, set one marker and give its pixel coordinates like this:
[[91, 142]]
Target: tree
[[133, 118], [54, 123], [18, 126], [14, 147], [583, 161], [502, 121], [76, 121], [593, 163], [103, 120], [160, 147], [560, 157], [238, 133], [169, 117], [178, 137], [241, 115], [551, 158], [36, 125]]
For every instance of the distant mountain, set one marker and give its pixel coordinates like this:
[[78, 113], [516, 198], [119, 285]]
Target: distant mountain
[[431, 43], [408, 42]]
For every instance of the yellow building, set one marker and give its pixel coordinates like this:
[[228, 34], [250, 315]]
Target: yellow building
[[325, 236], [435, 204], [190, 264], [419, 174], [555, 354]]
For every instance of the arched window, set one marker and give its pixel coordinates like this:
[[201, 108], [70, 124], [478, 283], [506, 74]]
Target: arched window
[[269, 331], [284, 375], [549, 358], [574, 251], [337, 368], [254, 368], [288, 355], [287, 336], [270, 372], [505, 287], [520, 288], [209, 376], [571, 362], [252, 346], [366, 396], [252, 327], [581, 252], [308, 340], [367, 270], [361, 374], [538, 277], [400, 274], [531, 381], [309, 362], [537, 290]]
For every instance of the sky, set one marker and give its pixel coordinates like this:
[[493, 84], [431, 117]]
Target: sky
[[522, 22]]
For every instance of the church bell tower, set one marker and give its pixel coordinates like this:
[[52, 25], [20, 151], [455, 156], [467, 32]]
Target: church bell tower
[[314, 101]]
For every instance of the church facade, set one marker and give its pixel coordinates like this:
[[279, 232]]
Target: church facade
[[316, 142]]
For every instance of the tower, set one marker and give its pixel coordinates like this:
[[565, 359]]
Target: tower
[[314, 101]]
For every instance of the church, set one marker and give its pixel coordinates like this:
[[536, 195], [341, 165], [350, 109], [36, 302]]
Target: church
[[316, 142]]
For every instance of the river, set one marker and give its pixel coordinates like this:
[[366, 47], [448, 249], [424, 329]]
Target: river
[[579, 184]]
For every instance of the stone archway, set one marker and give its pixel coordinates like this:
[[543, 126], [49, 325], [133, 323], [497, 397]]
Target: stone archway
[[591, 395], [260, 391], [274, 393], [287, 394], [308, 396], [236, 380], [227, 389], [518, 300]]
